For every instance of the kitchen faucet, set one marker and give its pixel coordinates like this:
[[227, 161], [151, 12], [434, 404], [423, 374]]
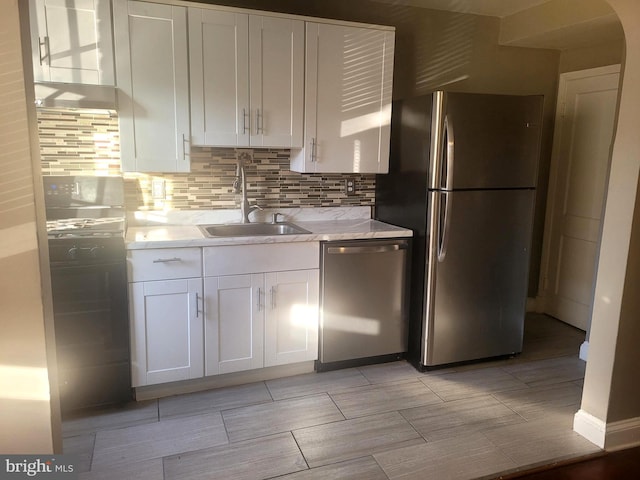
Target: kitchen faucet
[[240, 186]]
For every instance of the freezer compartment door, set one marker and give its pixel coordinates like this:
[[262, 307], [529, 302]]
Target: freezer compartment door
[[477, 274], [485, 141]]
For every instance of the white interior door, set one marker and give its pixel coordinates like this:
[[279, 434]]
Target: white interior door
[[585, 118]]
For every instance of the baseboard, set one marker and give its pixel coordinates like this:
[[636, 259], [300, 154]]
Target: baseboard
[[623, 434], [590, 427], [612, 436], [224, 380], [584, 350]]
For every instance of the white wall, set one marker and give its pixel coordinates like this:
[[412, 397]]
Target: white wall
[[610, 411]]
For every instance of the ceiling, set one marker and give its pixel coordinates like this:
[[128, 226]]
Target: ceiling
[[576, 31], [492, 8]]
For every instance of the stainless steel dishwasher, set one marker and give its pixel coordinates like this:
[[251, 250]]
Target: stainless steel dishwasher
[[363, 296]]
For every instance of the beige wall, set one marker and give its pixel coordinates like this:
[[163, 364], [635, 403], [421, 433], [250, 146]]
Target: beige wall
[[27, 411], [609, 53]]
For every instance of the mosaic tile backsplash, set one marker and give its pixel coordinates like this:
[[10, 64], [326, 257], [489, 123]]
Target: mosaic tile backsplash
[[87, 142]]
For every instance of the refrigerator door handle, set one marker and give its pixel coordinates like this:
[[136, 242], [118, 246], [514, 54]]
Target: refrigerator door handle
[[448, 149], [445, 220], [437, 141]]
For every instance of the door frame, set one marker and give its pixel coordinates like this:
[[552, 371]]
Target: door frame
[[564, 78]]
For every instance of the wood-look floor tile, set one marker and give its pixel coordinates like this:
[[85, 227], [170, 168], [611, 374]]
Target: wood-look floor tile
[[540, 326], [549, 371], [389, 372], [313, 383], [541, 348], [82, 447], [340, 449], [460, 417], [142, 442], [281, 416], [264, 457], [383, 397], [340, 441], [460, 385], [460, 458], [214, 400], [90, 421], [365, 468], [540, 441], [144, 470], [540, 402]]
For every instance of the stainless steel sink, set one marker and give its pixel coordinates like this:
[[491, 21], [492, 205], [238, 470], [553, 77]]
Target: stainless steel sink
[[251, 229]]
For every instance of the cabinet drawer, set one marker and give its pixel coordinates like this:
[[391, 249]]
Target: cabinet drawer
[[274, 257], [163, 263]]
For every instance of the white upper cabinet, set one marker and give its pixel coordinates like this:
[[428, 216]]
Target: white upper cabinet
[[276, 69], [247, 75], [72, 41], [349, 74], [153, 86]]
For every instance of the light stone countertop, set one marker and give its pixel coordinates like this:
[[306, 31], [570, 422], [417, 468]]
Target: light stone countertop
[[171, 236]]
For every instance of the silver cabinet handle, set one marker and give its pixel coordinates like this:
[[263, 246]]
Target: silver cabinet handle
[[259, 122], [167, 260], [313, 150], [273, 298], [260, 304], [47, 49], [185, 141], [244, 120], [197, 305]]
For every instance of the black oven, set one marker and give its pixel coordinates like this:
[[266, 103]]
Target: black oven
[[85, 223]]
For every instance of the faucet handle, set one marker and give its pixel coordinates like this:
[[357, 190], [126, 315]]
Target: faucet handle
[[274, 217]]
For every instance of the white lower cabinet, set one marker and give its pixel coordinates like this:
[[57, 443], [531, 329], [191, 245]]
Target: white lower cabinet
[[166, 315], [260, 311], [234, 325], [291, 324], [257, 307]]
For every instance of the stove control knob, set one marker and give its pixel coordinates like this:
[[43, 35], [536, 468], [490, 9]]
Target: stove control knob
[[73, 253]]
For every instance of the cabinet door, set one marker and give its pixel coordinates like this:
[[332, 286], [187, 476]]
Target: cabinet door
[[153, 86], [234, 319], [349, 74], [218, 54], [291, 326], [72, 41], [276, 65], [166, 331]]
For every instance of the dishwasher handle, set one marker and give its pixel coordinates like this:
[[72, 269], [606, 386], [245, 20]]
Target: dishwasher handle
[[368, 249]]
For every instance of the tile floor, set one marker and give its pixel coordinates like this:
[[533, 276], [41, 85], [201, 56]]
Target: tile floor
[[376, 422]]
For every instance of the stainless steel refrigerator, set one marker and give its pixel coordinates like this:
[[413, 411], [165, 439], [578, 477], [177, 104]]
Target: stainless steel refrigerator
[[462, 176]]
